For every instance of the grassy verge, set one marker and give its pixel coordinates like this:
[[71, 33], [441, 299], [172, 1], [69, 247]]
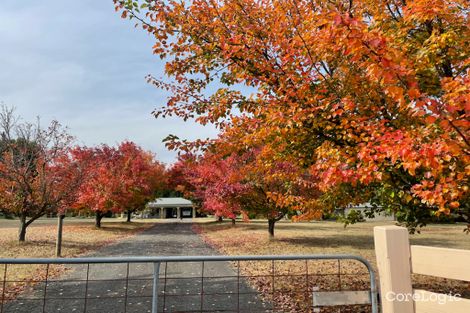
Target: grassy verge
[[78, 239], [292, 293]]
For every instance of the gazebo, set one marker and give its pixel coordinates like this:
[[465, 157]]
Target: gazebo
[[170, 208]]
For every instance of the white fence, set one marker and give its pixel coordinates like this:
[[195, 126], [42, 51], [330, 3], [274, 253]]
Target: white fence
[[397, 260]]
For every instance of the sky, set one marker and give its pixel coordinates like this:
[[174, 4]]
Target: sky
[[79, 63]]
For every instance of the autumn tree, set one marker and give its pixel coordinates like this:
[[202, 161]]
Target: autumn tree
[[369, 94], [143, 177], [182, 180], [213, 182], [242, 184], [119, 179], [38, 174], [102, 180], [275, 190]]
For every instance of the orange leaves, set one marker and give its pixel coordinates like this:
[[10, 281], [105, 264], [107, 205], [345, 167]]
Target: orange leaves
[[354, 96], [37, 172], [414, 93], [396, 93], [425, 10]]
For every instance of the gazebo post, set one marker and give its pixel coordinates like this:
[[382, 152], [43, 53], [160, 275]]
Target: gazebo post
[[193, 211], [163, 212], [178, 212]]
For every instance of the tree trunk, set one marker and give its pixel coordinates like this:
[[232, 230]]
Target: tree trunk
[[233, 222], [98, 218], [129, 215], [220, 219], [22, 230], [24, 224], [271, 223]]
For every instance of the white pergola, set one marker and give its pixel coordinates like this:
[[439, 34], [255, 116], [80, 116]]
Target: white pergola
[[163, 204]]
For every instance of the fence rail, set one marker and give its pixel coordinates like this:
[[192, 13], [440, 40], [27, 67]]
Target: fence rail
[[397, 260], [191, 284]]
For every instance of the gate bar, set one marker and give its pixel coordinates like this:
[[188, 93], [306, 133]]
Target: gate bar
[[156, 276]]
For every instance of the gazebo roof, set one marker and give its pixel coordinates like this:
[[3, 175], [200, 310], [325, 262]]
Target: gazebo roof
[[170, 203]]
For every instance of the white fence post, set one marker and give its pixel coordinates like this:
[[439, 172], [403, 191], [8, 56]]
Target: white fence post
[[392, 249]]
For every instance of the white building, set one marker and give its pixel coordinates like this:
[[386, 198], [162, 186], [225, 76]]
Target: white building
[[169, 208], [378, 216]]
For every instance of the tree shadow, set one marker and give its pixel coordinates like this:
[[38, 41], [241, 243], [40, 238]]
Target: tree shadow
[[361, 242], [423, 241], [263, 226]]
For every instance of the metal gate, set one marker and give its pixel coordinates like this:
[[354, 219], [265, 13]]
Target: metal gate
[[291, 283]]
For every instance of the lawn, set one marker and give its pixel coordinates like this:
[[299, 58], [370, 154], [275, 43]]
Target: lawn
[[322, 238], [79, 237]]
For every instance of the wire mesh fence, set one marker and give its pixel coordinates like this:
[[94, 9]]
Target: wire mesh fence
[[185, 284]]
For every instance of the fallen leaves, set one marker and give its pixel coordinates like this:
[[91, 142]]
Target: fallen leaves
[[294, 280], [78, 238]]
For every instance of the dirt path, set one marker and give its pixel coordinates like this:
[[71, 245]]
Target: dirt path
[[179, 292]]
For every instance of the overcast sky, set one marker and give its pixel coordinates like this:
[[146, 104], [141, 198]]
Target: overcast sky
[[78, 62]]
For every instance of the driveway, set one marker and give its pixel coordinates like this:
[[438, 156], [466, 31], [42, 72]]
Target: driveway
[[179, 292]]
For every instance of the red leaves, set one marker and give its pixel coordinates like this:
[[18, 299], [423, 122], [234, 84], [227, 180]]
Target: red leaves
[[211, 181], [119, 179], [37, 172], [338, 19]]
